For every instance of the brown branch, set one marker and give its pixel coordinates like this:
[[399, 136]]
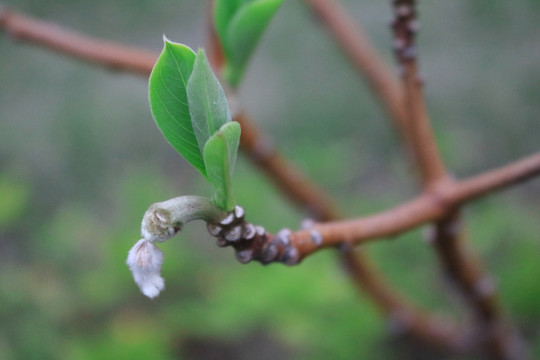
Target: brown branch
[[494, 337], [99, 52], [490, 181], [423, 143], [429, 207]]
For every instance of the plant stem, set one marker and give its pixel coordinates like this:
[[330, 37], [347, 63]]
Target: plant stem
[[164, 219]]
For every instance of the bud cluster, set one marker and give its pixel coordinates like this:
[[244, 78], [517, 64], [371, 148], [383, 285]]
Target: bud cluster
[[253, 242], [405, 27]]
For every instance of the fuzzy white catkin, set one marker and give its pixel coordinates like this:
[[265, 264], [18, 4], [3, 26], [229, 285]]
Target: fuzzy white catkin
[[144, 261]]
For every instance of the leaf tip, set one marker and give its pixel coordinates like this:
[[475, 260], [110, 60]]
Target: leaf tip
[[166, 40]]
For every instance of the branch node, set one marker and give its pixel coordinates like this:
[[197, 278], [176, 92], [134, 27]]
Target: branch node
[[307, 224], [214, 229], [316, 237], [283, 237], [260, 230], [269, 252], [228, 220], [234, 234], [244, 256], [239, 212], [249, 231], [290, 256]]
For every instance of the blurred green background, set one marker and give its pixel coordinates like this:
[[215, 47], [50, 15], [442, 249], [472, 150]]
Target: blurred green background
[[81, 160]]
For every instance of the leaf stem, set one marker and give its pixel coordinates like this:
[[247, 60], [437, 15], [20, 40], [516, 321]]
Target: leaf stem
[[164, 219]]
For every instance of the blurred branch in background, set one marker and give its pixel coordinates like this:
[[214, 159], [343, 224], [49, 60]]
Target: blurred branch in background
[[99, 52]]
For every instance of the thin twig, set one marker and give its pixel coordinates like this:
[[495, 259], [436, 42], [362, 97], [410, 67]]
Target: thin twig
[[503, 177], [429, 207], [99, 52], [423, 143]]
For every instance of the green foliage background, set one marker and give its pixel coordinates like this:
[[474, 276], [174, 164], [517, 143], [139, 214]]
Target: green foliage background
[[81, 160]]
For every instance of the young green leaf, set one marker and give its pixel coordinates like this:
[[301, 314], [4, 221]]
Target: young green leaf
[[220, 157], [206, 99], [224, 10], [240, 24], [169, 101]]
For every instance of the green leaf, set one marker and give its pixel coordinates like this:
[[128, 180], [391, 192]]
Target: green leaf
[[240, 25], [169, 101], [224, 10], [207, 102], [220, 157]]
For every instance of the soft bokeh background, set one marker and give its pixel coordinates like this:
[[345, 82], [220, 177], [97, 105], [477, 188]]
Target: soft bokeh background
[[81, 160]]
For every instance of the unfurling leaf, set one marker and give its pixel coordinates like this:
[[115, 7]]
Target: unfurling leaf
[[207, 102], [220, 157]]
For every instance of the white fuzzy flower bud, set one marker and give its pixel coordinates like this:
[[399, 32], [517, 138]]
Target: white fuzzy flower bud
[[161, 221], [144, 261]]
